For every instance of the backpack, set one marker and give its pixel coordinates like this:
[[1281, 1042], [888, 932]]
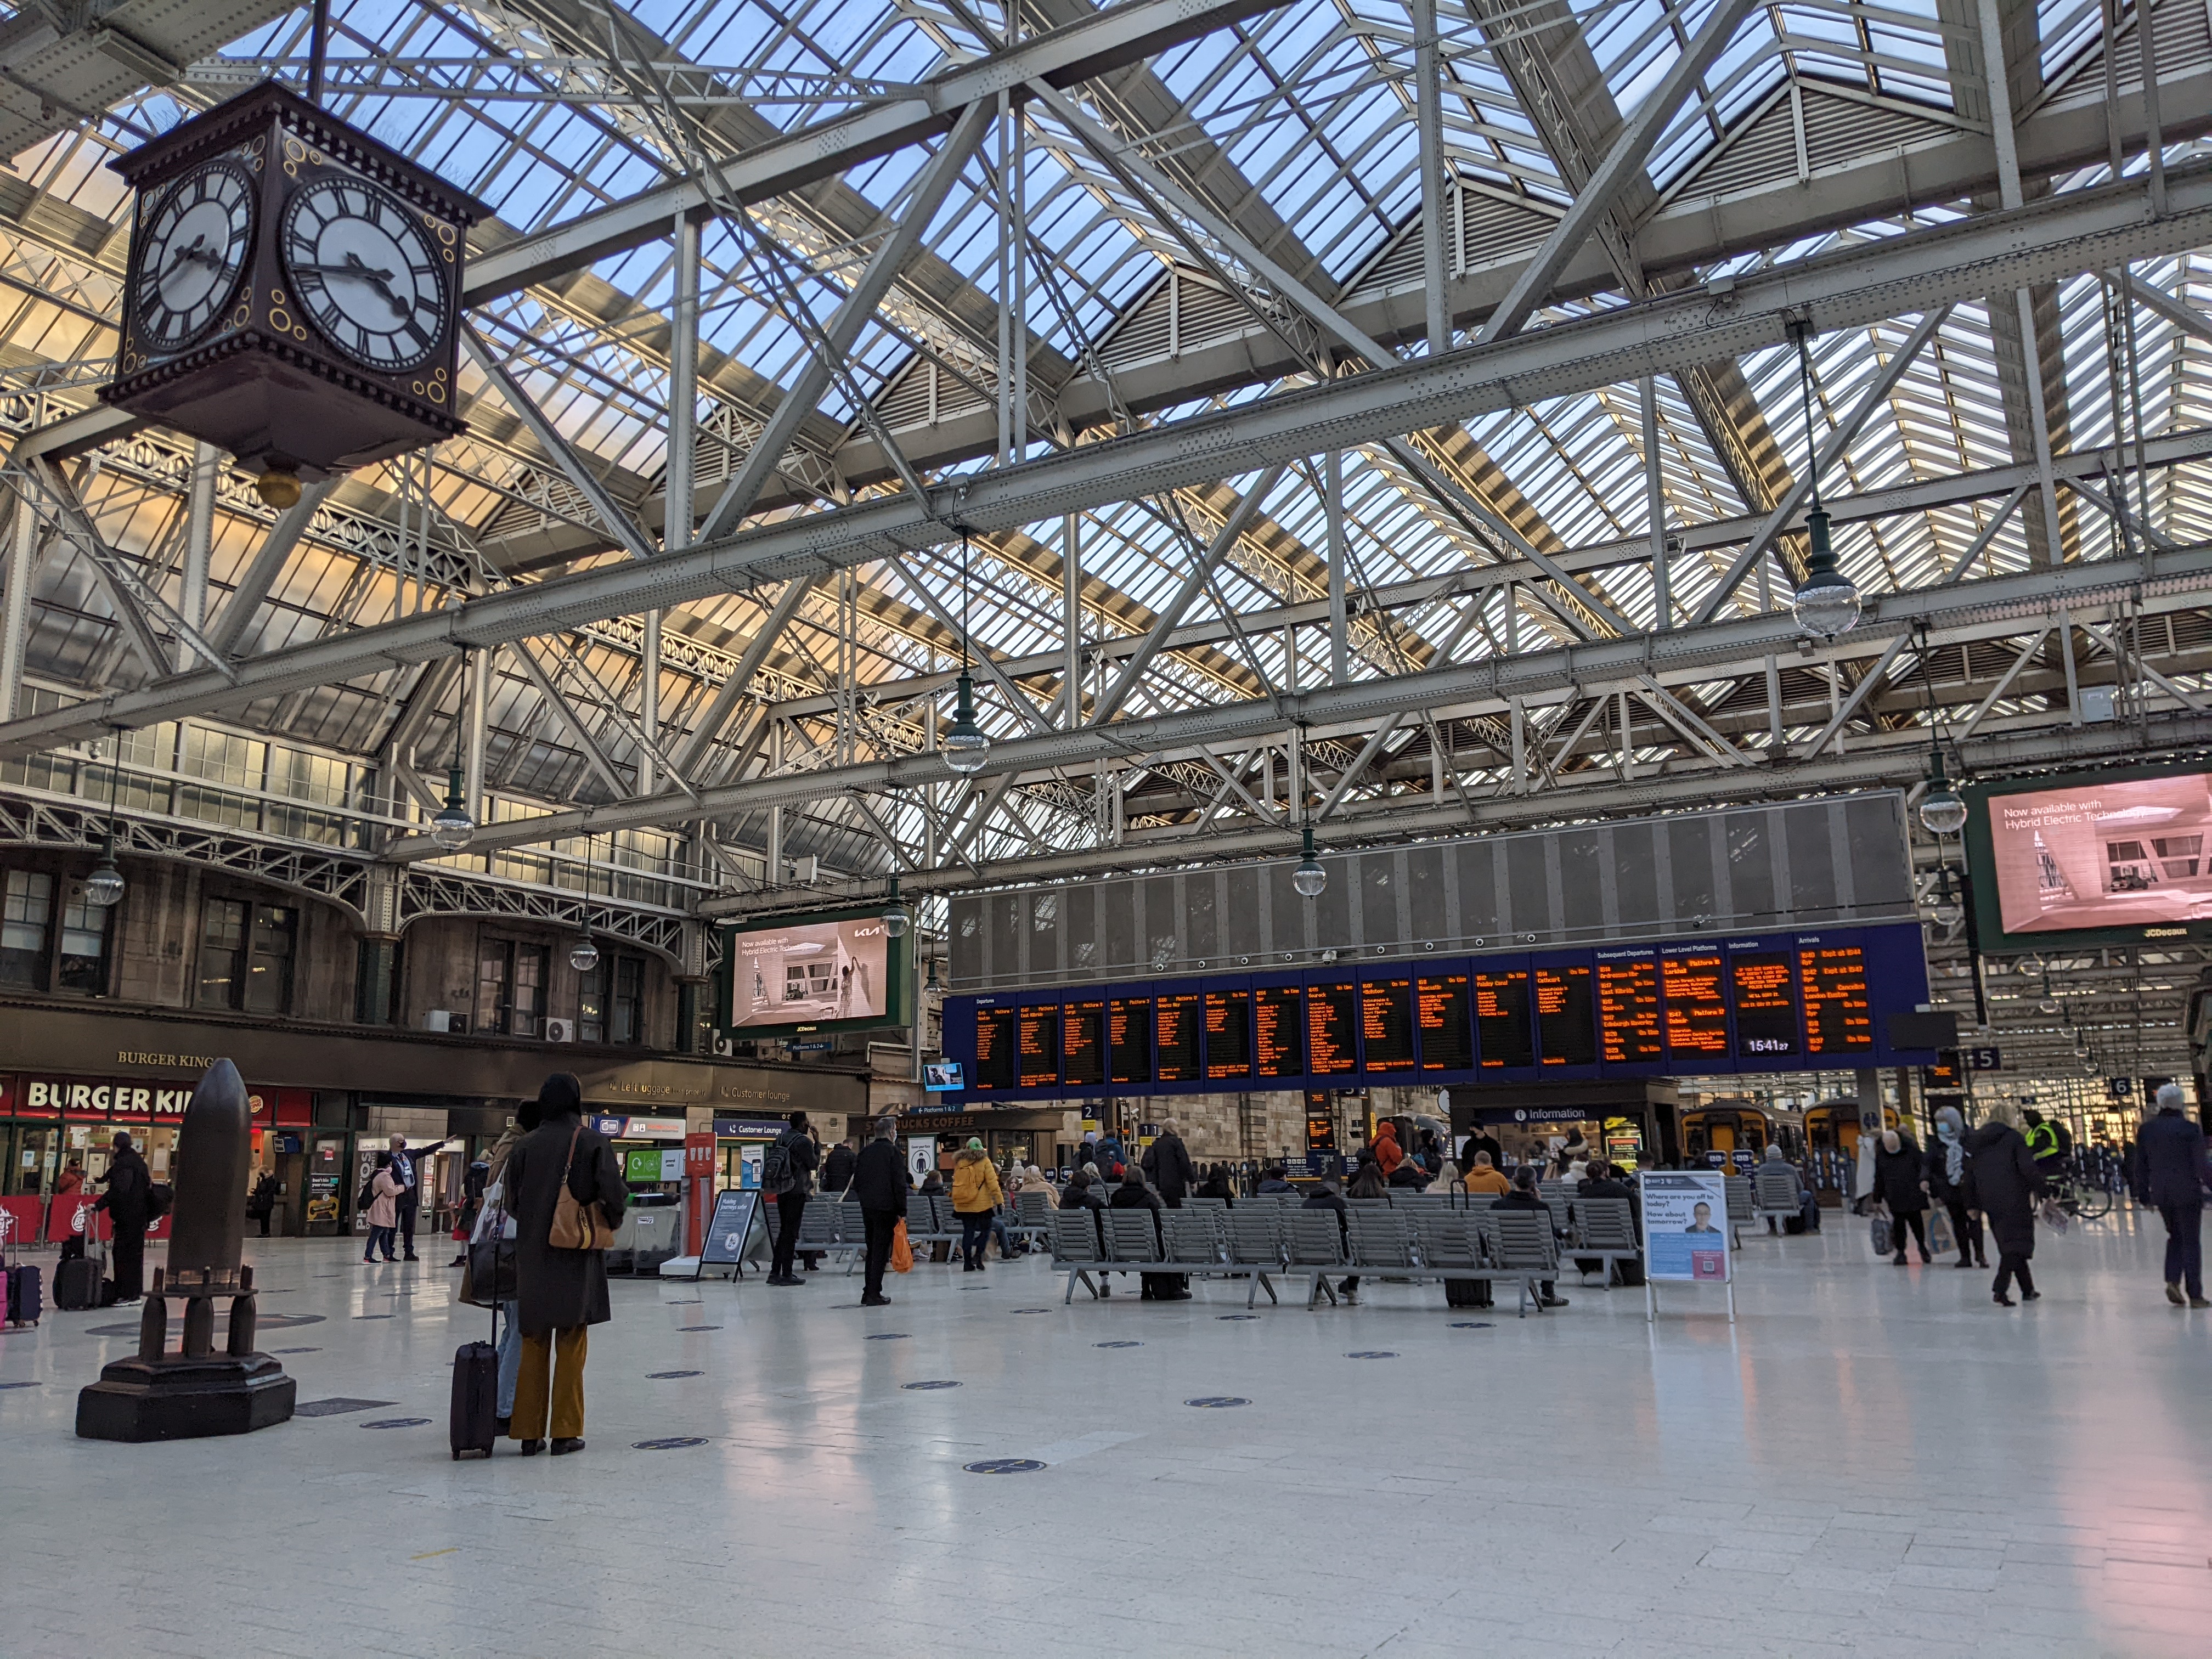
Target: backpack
[[776, 1167], [160, 1198], [367, 1195]]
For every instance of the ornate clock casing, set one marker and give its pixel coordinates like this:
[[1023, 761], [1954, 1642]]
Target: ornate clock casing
[[293, 291]]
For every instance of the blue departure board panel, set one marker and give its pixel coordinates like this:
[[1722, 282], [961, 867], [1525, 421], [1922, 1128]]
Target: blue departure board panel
[[1768, 1002]]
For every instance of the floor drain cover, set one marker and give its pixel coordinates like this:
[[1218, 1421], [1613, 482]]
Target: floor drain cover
[[295, 1350], [672, 1442], [1472, 1325], [665, 1377], [1372, 1353], [886, 1336], [18, 1385], [698, 1328], [1217, 1401], [397, 1423], [1003, 1466], [1236, 1316], [1117, 1345], [338, 1405], [1032, 1311], [917, 1386]]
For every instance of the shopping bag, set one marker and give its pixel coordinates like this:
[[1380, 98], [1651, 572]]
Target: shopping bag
[[1939, 1232], [901, 1252], [1881, 1234]]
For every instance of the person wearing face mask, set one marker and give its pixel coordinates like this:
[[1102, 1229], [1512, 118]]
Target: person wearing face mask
[[1897, 1179], [1943, 1178]]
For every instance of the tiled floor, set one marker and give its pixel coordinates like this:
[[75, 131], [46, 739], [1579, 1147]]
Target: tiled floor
[[1872, 1460]]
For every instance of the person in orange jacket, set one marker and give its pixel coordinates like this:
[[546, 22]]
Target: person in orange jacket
[[1387, 1153]]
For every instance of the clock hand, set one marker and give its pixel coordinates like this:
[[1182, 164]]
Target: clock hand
[[354, 268]]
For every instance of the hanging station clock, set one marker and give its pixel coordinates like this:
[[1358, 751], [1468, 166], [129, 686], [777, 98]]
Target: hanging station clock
[[293, 291]]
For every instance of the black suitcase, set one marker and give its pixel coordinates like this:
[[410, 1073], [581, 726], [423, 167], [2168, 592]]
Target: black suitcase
[[76, 1285], [1467, 1293], [24, 1305], [476, 1400]]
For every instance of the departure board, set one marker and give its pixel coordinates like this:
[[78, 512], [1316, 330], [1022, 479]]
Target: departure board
[[1129, 1040], [1566, 1025], [1280, 1045], [1501, 1019], [1440, 1008], [1178, 1017], [1386, 1024], [1697, 1014], [1083, 1044], [1630, 1031], [1765, 1003], [1332, 1040], [998, 1054], [1040, 1045], [1229, 1034], [1838, 1016]]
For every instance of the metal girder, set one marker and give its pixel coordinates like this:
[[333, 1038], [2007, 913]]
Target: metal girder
[[717, 712], [1913, 272], [1623, 162], [1115, 36], [1490, 685], [586, 743], [267, 564]]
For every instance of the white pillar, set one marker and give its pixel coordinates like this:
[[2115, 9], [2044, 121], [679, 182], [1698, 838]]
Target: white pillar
[[480, 667], [1429, 114], [199, 541], [1071, 597], [1339, 637]]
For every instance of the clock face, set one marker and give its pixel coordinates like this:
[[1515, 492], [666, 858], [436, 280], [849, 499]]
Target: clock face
[[365, 272], [192, 247]]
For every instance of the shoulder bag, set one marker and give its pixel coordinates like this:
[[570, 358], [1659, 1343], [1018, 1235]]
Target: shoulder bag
[[576, 1225]]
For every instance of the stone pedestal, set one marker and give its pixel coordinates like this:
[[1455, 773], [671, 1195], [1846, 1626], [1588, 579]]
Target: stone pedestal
[[177, 1398]]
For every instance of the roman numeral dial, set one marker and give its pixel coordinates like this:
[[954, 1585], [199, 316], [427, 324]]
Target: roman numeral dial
[[364, 268], [191, 252]]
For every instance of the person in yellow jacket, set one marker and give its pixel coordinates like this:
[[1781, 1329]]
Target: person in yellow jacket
[[975, 1197]]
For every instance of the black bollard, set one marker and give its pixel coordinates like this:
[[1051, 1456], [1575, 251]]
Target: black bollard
[[200, 1326], [241, 1326], [154, 1324], [215, 1154]]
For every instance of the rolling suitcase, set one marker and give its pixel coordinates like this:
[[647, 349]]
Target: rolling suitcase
[[473, 1422], [76, 1285], [23, 1300], [1467, 1293]]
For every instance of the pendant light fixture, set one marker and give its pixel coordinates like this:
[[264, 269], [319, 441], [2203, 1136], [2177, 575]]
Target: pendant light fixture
[[1309, 878], [451, 827], [965, 746], [583, 954], [104, 887], [1827, 601], [896, 919], [1942, 811], [1946, 910]]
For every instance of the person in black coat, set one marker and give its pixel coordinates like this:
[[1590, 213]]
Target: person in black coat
[[1524, 1196], [129, 1204], [1218, 1184], [2170, 1154], [1167, 1162], [1897, 1172], [879, 1182], [559, 1293], [2003, 1184], [800, 1157], [837, 1168], [1943, 1178], [1275, 1179], [1482, 1141], [1409, 1175], [1134, 1194], [1326, 1197]]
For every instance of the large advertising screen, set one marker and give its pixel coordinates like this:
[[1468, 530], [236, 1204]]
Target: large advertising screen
[[2110, 858], [815, 973]]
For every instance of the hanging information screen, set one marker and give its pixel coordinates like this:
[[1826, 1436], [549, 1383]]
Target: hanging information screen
[[1279, 1046], [1129, 1040], [1229, 1034], [1440, 1005], [1331, 1048], [1765, 1002], [1629, 1029], [998, 1050], [1083, 1044], [1386, 1024], [1501, 1020], [1040, 1030], [1696, 1015], [1838, 1014], [1790, 1000], [1566, 1026], [1177, 1016]]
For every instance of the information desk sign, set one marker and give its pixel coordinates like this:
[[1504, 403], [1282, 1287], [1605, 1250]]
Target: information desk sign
[[1686, 1236], [735, 1213]]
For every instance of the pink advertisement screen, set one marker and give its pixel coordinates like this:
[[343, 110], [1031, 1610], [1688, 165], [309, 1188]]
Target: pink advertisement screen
[[2129, 853]]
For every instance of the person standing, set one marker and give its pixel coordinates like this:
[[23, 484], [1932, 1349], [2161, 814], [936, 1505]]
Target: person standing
[[2003, 1183], [837, 1167], [128, 1201], [2043, 1143], [975, 1195], [2171, 1150], [1485, 1142], [1943, 1178], [1167, 1162], [384, 1190], [261, 1203], [405, 1171], [559, 1293], [528, 1115], [879, 1184], [786, 1171], [1897, 1183]]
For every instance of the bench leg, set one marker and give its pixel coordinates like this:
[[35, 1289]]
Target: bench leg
[[1272, 1298]]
